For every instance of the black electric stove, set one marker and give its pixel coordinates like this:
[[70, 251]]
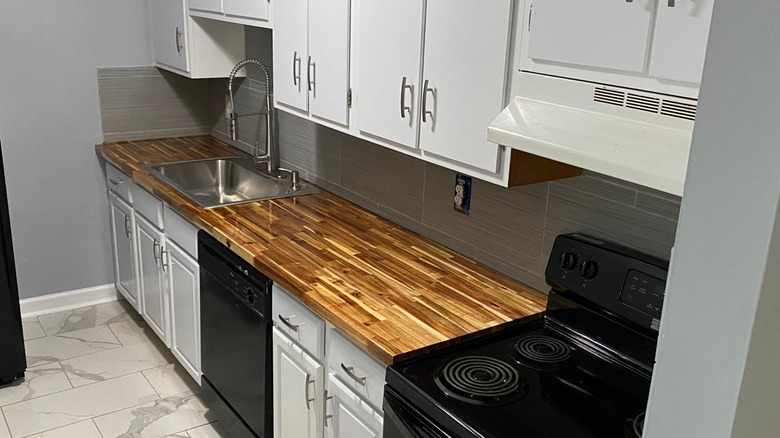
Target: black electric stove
[[580, 369]]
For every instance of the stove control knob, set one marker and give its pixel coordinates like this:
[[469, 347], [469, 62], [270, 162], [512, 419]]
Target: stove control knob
[[568, 261], [589, 270]]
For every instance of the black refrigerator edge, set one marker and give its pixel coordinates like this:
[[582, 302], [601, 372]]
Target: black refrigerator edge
[[12, 358]]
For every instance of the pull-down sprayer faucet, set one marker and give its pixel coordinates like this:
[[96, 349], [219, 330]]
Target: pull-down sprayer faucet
[[271, 156]]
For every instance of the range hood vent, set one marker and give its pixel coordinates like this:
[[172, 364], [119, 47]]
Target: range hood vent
[[637, 136], [660, 105]]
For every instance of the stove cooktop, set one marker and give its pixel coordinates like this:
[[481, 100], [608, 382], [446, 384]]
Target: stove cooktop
[[532, 381], [582, 369]]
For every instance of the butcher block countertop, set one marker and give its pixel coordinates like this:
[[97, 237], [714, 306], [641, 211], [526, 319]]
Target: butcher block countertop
[[391, 291]]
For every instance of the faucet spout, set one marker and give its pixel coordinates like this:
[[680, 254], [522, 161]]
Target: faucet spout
[[271, 156]]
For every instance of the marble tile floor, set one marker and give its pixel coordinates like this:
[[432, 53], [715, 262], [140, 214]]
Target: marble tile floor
[[100, 372]]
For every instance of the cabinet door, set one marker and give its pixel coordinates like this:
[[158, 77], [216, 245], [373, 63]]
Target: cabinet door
[[169, 36], [329, 51], [350, 417], [298, 391], [680, 42], [122, 232], [206, 5], [459, 103], [290, 54], [595, 33], [257, 9], [152, 287], [389, 40], [184, 287]]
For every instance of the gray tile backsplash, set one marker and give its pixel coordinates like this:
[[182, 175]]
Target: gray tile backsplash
[[508, 229], [144, 102]]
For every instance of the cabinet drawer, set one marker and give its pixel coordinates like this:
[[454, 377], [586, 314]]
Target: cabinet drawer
[[356, 368], [148, 206], [119, 183], [300, 323], [181, 231]]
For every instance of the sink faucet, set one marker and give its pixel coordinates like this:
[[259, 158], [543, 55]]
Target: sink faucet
[[271, 156]]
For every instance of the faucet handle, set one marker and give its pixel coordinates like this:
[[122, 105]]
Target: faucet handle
[[295, 179]]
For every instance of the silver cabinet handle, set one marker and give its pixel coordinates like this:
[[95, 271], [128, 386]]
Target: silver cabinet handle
[[425, 111], [116, 181], [165, 258], [351, 373], [404, 108], [311, 71], [178, 42], [155, 249], [286, 321], [325, 409], [127, 226], [309, 381], [296, 62]]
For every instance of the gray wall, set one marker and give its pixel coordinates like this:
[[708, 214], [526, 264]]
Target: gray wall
[[716, 365], [510, 230], [49, 124]]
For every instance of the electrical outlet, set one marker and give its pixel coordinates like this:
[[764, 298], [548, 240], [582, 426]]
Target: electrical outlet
[[462, 198]]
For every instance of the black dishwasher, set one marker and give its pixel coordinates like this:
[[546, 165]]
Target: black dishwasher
[[235, 341]]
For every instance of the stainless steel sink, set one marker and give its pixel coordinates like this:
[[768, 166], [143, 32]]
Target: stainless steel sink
[[224, 181]]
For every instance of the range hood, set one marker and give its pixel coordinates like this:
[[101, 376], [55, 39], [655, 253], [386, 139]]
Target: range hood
[[636, 136]]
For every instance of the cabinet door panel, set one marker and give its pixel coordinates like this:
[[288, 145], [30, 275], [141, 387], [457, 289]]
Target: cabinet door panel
[[206, 5], [184, 287], [329, 51], [681, 34], [169, 36], [122, 232], [297, 377], [290, 54], [152, 287], [464, 98], [352, 418], [247, 8], [388, 52], [595, 33]]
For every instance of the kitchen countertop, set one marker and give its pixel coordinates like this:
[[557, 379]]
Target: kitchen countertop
[[393, 292]]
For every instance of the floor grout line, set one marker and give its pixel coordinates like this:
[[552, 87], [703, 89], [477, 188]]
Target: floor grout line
[[96, 427]]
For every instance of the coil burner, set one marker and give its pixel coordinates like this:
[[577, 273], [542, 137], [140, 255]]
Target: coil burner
[[481, 381], [543, 351]]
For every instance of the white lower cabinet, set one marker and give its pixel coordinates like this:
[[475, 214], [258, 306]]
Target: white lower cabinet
[[151, 271], [184, 287], [157, 272], [298, 390], [348, 415], [306, 405], [123, 245]]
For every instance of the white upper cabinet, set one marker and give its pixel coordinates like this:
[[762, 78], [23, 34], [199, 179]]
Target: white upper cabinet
[[169, 33], [193, 47], [290, 54], [655, 45], [248, 12], [311, 58], [597, 33], [389, 49], [462, 54], [682, 29], [464, 71]]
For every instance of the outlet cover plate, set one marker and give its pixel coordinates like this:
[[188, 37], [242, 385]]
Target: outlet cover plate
[[462, 199]]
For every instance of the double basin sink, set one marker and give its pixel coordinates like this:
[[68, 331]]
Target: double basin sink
[[218, 182]]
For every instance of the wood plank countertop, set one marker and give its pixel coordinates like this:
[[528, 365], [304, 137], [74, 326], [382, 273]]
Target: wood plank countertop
[[391, 291]]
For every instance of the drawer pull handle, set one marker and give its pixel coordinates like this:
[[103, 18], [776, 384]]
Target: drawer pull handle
[[351, 373], [286, 321], [309, 381], [116, 181]]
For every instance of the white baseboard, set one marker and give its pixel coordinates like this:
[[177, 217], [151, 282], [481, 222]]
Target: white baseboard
[[72, 299]]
